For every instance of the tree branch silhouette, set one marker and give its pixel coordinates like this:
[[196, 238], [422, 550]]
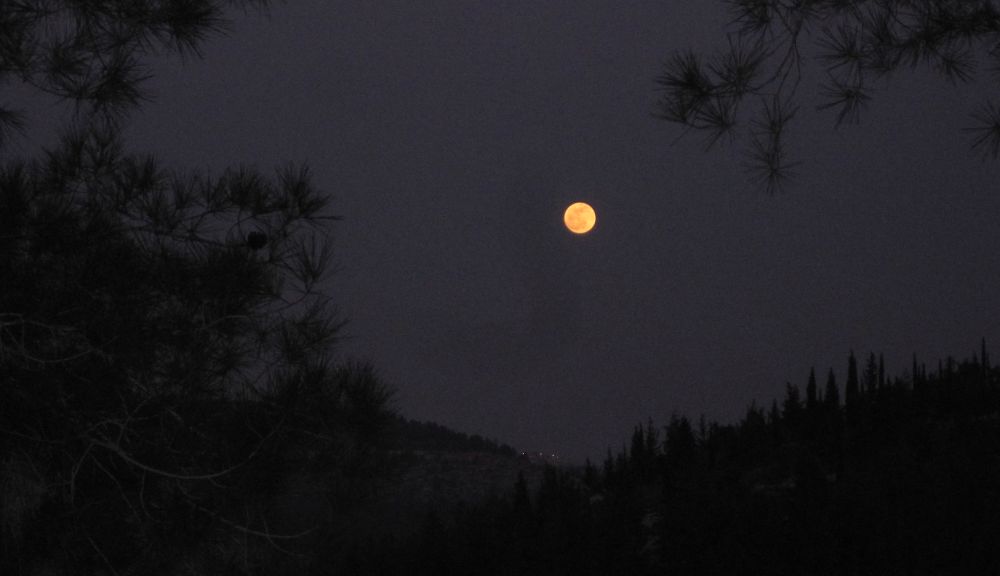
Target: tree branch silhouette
[[856, 43], [165, 338]]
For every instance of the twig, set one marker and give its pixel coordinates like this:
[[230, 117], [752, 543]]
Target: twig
[[101, 554]]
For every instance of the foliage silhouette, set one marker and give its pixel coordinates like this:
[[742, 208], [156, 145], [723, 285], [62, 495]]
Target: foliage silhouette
[[166, 374], [754, 82], [913, 489], [92, 54]]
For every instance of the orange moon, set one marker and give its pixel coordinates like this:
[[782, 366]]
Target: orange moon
[[580, 218]]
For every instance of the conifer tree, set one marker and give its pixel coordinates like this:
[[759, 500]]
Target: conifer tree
[[984, 359], [870, 382], [831, 396], [651, 440], [522, 500], [94, 54], [165, 349], [832, 419], [637, 453], [680, 442], [851, 390], [792, 405], [881, 371], [591, 478], [751, 88], [811, 394]]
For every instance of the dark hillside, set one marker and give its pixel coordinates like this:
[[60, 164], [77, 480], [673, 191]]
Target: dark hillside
[[414, 436], [903, 477]]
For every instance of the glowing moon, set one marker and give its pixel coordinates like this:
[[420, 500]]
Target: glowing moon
[[580, 218]]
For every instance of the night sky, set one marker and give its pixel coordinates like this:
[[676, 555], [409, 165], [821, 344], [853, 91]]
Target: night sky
[[452, 135]]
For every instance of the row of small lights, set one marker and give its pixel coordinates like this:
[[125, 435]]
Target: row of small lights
[[542, 454]]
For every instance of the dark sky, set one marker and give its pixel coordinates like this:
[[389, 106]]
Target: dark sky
[[453, 134]]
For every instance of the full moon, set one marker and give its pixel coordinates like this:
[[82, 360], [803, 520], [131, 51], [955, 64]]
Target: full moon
[[580, 218]]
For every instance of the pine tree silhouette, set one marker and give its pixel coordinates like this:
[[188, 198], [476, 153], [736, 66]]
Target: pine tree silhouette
[[751, 88], [831, 395], [852, 391], [811, 395], [154, 377]]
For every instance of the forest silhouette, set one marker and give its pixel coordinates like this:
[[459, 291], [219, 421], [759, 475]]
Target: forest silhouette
[[902, 477]]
